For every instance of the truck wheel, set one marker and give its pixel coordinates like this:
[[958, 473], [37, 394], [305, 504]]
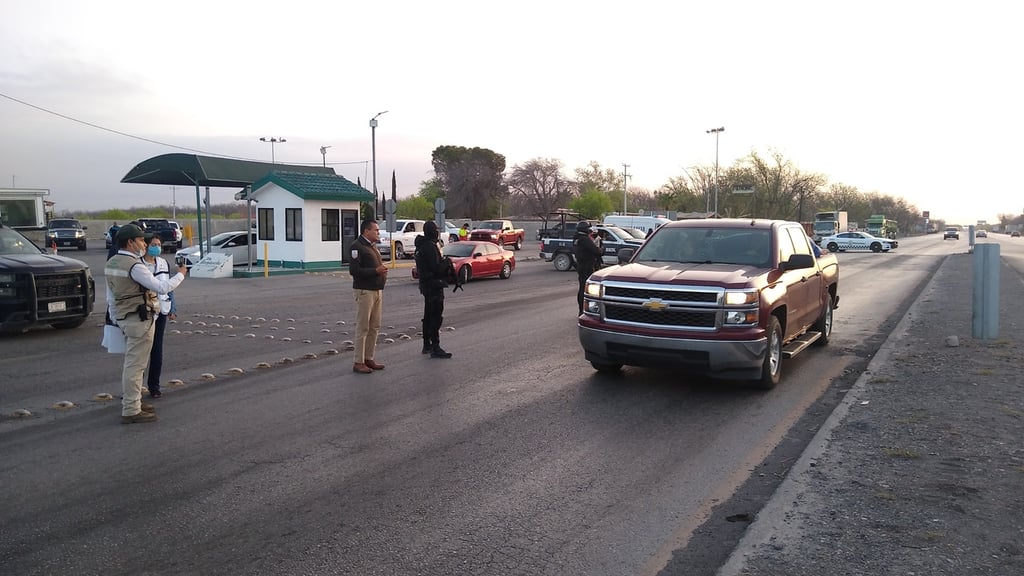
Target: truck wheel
[[82, 247], [399, 252], [833, 247], [464, 275], [824, 324], [506, 270], [562, 261], [606, 368], [771, 368], [519, 244], [876, 247]]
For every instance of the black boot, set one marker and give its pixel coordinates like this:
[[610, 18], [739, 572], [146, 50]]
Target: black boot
[[438, 352], [427, 347]]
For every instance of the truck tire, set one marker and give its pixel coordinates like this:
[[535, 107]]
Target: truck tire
[[771, 368], [506, 270], [824, 324], [832, 247], [562, 261], [606, 368], [399, 252], [519, 244]]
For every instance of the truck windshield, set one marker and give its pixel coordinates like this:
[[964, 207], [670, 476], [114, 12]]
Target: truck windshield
[[739, 246], [490, 225], [12, 242]]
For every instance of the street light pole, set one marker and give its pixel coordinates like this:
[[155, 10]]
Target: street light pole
[[625, 170], [373, 154], [273, 140], [323, 152], [716, 132]]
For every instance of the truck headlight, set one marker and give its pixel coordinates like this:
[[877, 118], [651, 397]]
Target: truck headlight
[[740, 298], [594, 290], [6, 277]]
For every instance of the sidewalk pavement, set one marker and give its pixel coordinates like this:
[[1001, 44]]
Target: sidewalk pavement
[[920, 470]]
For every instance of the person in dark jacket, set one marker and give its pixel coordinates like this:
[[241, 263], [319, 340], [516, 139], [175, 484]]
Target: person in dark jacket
[[588, 257], [433, 272], [368, 277]]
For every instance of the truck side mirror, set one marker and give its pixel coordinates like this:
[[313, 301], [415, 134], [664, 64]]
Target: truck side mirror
[[798, 262], [625, 254]]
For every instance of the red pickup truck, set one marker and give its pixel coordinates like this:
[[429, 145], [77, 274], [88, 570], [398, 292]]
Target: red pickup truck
[[499, 232], [728, 298]]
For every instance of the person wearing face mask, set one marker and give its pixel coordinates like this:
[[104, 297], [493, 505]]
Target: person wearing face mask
[[133, 303], [168, 309], [432, 270]]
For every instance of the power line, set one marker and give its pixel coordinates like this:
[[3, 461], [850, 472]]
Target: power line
[[151, 141]]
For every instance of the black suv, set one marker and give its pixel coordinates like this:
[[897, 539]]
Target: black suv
[[38, 288], [162, 228], [65, 232]]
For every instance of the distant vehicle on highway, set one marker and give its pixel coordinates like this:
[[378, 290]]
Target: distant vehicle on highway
[[951, 232], [1015, 234], [857, 241], [981, 234]]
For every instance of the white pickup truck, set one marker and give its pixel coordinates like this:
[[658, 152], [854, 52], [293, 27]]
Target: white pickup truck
[[404, 237]]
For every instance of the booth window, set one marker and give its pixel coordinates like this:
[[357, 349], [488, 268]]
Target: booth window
[[330, 229], [293, 224], [266, 221]]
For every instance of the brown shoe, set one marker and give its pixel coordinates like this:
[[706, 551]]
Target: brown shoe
[[148, 407], [374, 365], [362, 369], [140, 418]]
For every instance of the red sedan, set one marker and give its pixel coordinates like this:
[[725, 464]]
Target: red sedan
[[478, 259]]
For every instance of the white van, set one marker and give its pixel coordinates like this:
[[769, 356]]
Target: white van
[[645, 223]]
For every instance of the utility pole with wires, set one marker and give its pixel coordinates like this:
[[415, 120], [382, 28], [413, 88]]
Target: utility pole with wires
[[625, 175]]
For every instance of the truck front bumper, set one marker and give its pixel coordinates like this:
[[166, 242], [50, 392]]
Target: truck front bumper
[[724, 358]]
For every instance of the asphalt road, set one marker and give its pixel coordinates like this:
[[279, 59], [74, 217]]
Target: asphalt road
[[514, 457]]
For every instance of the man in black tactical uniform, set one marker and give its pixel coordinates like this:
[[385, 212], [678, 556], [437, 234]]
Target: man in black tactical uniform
[[433, 271], [588, 257]]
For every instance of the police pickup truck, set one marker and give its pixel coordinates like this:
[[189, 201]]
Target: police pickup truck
[[560, 250]]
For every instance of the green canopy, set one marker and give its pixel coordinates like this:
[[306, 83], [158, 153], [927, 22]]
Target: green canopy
[[195, 170]]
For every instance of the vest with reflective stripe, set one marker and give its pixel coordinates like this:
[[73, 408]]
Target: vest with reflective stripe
[[128, 293]]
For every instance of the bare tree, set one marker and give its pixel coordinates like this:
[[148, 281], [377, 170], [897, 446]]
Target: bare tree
[[541, 185]]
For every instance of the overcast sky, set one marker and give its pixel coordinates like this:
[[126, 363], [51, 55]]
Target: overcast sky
[[919, 100]]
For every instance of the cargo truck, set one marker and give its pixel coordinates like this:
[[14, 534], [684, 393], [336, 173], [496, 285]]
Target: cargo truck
[[829, 224], [879, 225]]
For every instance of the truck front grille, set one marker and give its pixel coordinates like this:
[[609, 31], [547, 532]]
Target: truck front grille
[[680, 318], [663, 306]]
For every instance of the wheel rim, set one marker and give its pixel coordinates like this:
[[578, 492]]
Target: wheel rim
[[828, 318], [774, 353], [506, 270]]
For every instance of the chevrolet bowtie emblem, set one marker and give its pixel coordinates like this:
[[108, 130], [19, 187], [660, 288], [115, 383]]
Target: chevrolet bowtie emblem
[[655, 305]]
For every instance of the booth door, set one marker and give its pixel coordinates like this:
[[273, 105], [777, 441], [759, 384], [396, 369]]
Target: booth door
[[349, 232]]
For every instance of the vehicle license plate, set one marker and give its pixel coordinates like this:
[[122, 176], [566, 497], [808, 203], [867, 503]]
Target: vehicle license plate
[[60, 306]]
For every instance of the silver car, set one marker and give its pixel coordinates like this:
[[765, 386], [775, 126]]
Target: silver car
[[232, 243]]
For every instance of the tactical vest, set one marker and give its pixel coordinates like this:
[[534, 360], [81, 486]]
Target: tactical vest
[[128, 293]]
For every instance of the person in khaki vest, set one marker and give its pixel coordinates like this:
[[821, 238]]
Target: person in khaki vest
[[132, 302]]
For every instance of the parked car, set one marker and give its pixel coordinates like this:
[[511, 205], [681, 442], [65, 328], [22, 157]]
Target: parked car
[[857, 241], [451, 232], [404, 235], [981, 234], [178, 234], [634, 232], [66, 233], [478, 259], [951, 232], [108, 236], [232, 243]]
